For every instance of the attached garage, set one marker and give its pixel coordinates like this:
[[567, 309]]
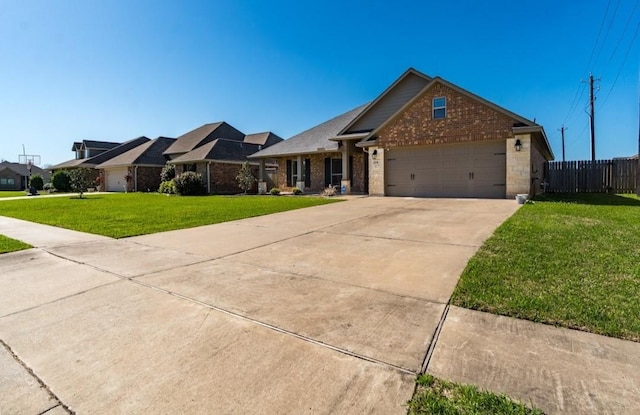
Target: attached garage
[[476, 169], [115, 179]]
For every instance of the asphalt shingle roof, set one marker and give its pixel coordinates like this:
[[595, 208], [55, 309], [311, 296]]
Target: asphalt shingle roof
[[220, 149], [102, 157], [148, 154], [23, 169], [265, 139], [202, 135], [313, 140]]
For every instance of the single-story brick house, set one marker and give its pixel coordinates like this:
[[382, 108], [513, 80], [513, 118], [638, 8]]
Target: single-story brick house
[[14, 176], [422, 136], [217, 152], [137, 169]]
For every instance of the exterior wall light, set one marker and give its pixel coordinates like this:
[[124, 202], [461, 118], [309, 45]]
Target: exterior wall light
[[374, 155], [518, 144]]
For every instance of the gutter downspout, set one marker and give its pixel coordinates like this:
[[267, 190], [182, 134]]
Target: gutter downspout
[[209, 177], [135, 178]]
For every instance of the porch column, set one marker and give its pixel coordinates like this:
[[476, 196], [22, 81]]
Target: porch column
[[262, 185], [345, 183], [300, 179]]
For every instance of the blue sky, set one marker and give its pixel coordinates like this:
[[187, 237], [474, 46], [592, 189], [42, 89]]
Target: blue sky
[[114, 70]]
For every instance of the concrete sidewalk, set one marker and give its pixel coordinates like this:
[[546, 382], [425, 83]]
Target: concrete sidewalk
[[329, 309]]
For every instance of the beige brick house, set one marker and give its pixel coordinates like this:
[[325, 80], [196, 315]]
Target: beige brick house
[[422, 136]]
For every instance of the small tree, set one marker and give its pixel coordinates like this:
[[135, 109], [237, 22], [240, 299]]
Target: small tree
[[245, 177], [36, 181], [61, 181], [80, 179]]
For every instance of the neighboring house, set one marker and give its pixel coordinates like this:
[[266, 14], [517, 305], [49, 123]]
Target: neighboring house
[[141, 165], [217, 151], [422, 136], [93, 161], [14, 176]]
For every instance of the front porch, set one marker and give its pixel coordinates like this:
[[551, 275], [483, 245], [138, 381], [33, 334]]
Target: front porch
[[346, 169]]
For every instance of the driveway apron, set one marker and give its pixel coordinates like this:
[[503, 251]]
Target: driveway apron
[[329, 309]]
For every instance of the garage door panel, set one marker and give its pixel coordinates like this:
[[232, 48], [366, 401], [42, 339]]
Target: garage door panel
[[115, 180], [454, 170]]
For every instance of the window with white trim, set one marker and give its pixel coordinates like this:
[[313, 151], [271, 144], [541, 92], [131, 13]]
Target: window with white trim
[[439, 108]]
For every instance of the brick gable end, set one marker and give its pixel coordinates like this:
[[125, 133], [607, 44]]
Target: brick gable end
[[466, 120]]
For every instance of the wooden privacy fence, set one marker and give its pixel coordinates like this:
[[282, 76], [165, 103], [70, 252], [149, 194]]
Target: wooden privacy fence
[[599, 176]]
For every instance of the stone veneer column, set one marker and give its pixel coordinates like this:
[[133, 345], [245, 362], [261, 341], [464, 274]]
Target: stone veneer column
[[299, 172], [345, 183], [376, 171], [262, 184], [518, 166]]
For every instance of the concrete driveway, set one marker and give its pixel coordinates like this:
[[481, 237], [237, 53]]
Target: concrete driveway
[[330, 309]]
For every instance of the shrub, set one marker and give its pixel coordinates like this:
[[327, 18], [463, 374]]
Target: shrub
[[168, 173], [245, 177], [168, 187], [275, 191], [297, 191], [189, 184], [36, 181], [48, 187], [329, 191], [61, 181]]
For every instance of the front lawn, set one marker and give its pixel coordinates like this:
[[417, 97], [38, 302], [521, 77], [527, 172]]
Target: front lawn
[[130, 214], [11, 245], [572, 261], [12, 193], [435, 396]]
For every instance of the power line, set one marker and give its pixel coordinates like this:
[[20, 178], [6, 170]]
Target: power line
[[606, 35], [624, 31], [581, 88], [624, 61], [593, 50]]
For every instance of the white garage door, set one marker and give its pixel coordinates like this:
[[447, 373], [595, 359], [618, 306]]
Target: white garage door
[[448, 170], [115, 179]]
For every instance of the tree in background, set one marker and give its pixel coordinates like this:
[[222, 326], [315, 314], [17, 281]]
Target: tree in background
[[245, 178], [79, 180]]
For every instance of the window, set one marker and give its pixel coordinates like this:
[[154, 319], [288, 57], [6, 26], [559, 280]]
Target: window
[[336, 172], [292, 172], [439, 108]]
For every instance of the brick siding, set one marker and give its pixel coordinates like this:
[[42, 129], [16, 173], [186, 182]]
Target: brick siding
[[317, 170], [466, 120]]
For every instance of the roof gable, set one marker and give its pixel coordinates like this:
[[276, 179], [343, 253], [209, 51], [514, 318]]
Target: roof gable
[[202, 135], [407, 86]]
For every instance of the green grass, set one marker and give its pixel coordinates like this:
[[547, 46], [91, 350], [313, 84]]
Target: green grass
[[12, 193], [572, 261], [130, 214], [11, 245], [434, 396]]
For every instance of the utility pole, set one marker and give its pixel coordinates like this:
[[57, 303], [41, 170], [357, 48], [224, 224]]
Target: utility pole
[[562, 130], [592, 100]]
